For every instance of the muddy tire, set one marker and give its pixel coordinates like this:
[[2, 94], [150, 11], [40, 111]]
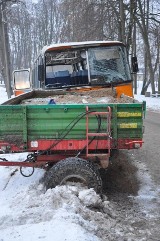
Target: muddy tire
[[74, 170]]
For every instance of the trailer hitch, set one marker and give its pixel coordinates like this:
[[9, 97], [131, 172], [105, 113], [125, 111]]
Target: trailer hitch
[[28, 171]]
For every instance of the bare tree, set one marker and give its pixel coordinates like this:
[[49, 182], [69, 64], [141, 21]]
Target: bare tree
[[144, 23], [35, 25], [5, 49]]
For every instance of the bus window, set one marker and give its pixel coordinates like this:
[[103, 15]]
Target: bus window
[[108, 65]]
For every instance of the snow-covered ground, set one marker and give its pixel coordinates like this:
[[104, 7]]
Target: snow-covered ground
[[153, 103], [29, 212]]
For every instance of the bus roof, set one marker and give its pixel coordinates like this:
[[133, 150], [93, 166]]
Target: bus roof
[[79, 44]]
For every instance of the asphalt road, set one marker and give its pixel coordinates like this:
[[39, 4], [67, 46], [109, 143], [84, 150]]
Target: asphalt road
[[122, 181], [150, 152]]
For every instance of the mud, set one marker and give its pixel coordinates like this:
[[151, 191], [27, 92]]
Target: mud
[[121, 175]]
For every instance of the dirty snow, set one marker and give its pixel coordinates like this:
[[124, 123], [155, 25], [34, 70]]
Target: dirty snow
[[29, 212], [65, 213]]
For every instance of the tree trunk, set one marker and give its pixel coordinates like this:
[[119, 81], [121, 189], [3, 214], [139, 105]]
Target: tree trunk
[[5, 51], [145, 78], [143, 25], [122, 36], [134, 54], [159, 80]]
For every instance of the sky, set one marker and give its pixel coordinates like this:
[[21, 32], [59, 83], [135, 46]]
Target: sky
[[30, 213]]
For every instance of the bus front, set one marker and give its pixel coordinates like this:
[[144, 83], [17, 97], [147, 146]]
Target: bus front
[[96, 64]]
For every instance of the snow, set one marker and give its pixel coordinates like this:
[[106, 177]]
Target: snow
[[29, 212], [3, 95], [152, 103]]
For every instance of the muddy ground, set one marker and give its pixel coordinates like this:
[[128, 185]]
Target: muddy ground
[[133, 219]]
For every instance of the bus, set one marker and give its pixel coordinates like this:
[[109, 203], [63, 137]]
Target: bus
[[84, 65]]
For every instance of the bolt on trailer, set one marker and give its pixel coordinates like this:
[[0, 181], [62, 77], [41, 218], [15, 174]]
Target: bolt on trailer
[[73, 140]]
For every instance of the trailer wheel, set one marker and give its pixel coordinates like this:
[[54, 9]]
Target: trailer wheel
[[74, 170]]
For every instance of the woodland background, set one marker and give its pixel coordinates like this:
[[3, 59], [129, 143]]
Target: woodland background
[[26, 26]]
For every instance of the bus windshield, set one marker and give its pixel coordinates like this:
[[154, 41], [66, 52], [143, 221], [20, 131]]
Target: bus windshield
[[87, 65], [108, 65], [21, 79]]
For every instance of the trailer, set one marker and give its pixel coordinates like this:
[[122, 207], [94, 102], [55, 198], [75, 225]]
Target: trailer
[[72, 141]]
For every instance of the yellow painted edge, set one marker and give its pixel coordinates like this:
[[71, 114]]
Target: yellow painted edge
[[129, 114], [128, 125]]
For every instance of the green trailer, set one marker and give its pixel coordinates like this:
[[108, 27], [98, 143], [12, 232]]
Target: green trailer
[[68, 139]]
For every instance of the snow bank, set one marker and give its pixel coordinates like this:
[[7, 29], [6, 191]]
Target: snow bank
[[31, 213], [65, 213]]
